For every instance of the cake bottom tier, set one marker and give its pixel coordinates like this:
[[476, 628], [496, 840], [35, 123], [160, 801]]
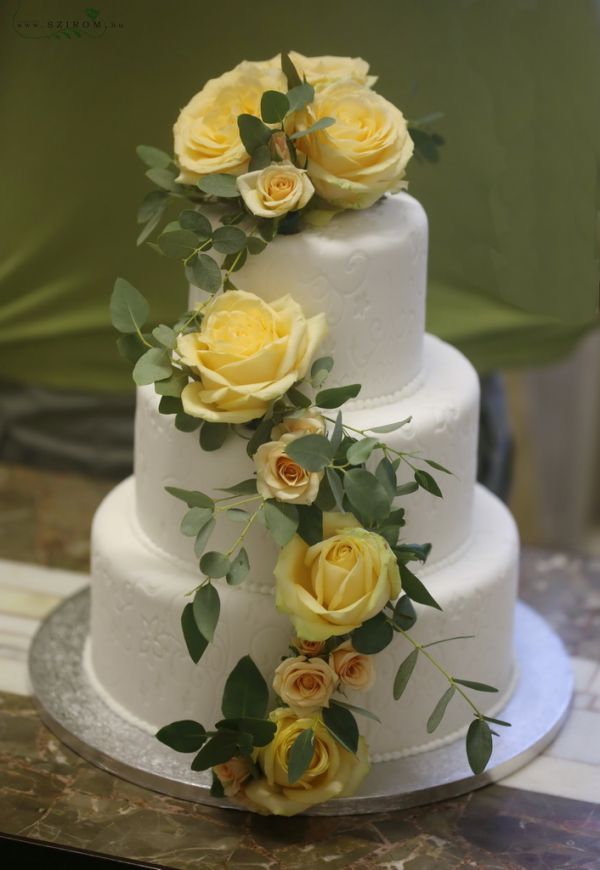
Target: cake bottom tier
[[137, 660]]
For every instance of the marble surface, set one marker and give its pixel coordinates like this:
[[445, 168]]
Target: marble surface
[[544, 816]]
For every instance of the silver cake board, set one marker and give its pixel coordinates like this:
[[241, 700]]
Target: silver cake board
[[69, 706]]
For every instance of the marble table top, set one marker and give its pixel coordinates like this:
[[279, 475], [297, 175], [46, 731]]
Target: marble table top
[[546, 815]]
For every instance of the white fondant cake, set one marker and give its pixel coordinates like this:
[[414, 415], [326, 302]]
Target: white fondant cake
[[367, 272]]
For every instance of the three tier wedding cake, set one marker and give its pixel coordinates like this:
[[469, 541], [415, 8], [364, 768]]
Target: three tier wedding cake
[[300, 442]]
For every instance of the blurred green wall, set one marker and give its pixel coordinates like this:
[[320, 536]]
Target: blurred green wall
[[513, 203]]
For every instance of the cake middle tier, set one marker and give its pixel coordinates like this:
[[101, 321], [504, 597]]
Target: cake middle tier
[[444, 407]]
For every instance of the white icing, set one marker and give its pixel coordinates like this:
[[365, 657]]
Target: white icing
[[444, 427], [367, 271], [140, 665]]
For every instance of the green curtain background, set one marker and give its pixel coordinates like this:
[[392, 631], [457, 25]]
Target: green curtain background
[[513, 203]]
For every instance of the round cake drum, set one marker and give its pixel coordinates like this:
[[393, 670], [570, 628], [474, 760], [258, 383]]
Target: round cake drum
[[69, 706]]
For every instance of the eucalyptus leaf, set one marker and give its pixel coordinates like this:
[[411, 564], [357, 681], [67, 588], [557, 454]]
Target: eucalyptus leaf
[[214, 564], [437, 466], [165, 336], [234, 262], [153, 156], [412, 552], [321, 124], [207, 608], [237, 515], [360, 710], [131, 347], [193, 220], [253, 132], [427, 482], [203, 271], [246, 693], [261, 435], [152, 366], [477, 687], [203, 536], [390, 427], [169, 404], [337, 396], [186, 423], [312, 452], [229, 240], [407, 488], [373, 635], [360, 451], [336, 486], [245, 487], [255, 245], [404, 613], [366, 494], [274, 106], [148, 229], [281, 520], [338, 432], [340, 722], [415, 589], [173, 386], [320, 370], [153, 205], [479, 745], [300, 755], [386, 476], [191, 497], [261, 158], [178, 244], [310, 524], [298, 398], [300, 96], [216, 787], [290, 71], [195, 642], [163, 177], [498, 722], [439, 710], [261, 730], [128, 308], [404, 673], [183, 736], [221, 185], [239, 568], [222, 747], [194, 520], [213, 435]]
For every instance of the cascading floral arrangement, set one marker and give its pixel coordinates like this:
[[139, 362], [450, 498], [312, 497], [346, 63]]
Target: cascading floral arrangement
[[266, 149]]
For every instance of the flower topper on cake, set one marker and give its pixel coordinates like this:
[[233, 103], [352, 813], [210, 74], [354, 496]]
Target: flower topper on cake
[[265, 149]]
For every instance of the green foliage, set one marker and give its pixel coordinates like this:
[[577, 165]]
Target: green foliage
[[319, 371], [195, 642], [191, 497], [412, 552], [199, 224], [128, 308], [300, 96], [290, 71], [153, 365], [261, 158], [262, 731], [153, 204], [207, 608], [477, 687], [390, 427], [340, 722], [360, 710], [439, 709], [239, 568], [479, 745], [216, 788], [183, 736], [300, 755], [213, 435], [281, 520], [427, 482], [321, 124], [153, 156], [404, 613], [404, 673], [274, 106], [246, 694], [253, 132], [336, 486], [220, 185], [312, 452], [310, 524], [131, 347], [195, 520], [169, 405], [221, 747], [261, 435], [373, 635], [203, 537], [186, 423], [164, 335], [173, 386], [415, 589], [366, 494], [336, 396], [255, 245], [437, 466], [203, 271], [245, 487], [427, 145], [178, 244], [214, 564], [407, 488], [360, 451], [386, 476], [229, 240]]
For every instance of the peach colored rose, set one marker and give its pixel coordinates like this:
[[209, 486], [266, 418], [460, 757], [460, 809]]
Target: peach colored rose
[[232, 774], [310, 423], [279, 477], [308, 647], [355, 670], [304, 684]]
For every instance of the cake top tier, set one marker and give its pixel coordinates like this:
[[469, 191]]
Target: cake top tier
[[366, 271]]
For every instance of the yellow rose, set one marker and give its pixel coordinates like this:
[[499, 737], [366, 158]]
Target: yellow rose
[[310, 423], [333, 772], [322, 71], [274, 191], [304, 684], [334, 586], [279, 477], [364, 154], [206, 134], [355, 670], [308, 647], [246, 354], [233, 774]]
